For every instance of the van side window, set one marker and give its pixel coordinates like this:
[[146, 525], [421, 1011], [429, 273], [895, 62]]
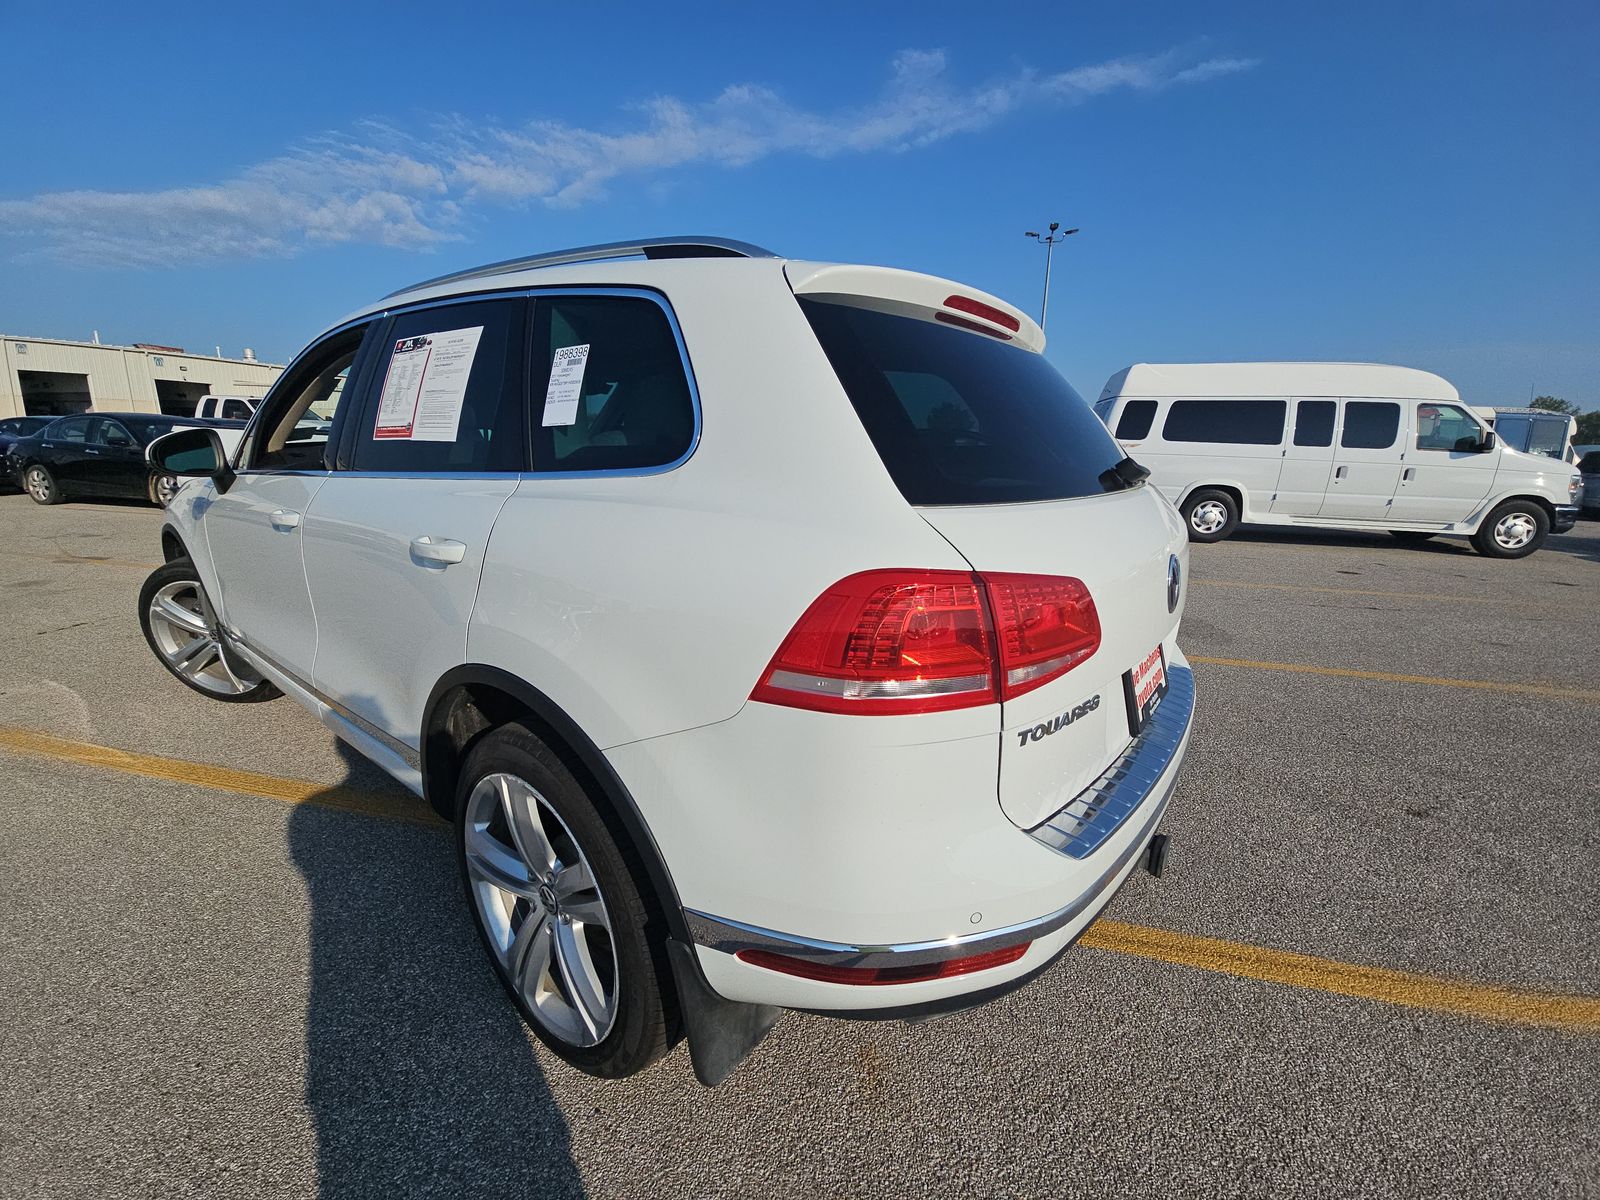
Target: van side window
[[623, 402], [446, 391], [1446, 427], [1313, 422], [1370, 424], [1136, 420], [1229, 422]]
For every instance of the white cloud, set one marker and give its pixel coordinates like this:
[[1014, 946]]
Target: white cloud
[[381, 186]]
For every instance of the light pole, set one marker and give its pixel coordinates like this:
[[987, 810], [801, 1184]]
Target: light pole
[[1049, 241]]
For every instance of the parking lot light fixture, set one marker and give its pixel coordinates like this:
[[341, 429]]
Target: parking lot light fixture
[[1049, 240]]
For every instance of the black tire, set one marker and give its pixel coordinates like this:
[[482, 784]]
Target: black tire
[[231, 682], [41, 485], [1411, 537], [645, 1024], [1503, 530], [161, 487], [1206, 506]]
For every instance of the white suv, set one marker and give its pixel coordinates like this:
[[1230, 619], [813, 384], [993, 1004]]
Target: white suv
[[776, 634]]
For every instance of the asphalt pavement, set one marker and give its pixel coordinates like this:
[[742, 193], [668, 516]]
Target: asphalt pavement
[[215, 987]]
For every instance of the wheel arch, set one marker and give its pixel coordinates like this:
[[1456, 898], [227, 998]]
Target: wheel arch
[[470, 700], [1528, 497], [1234, 489], [172, 545]]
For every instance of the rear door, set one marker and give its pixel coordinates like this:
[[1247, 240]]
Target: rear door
[[1002, 457], [121, 467], [1307, 459], [394, 545], [1366, 461]]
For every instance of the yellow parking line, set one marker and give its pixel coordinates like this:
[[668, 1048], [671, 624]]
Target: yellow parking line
[[1551, 1010], [1339, 591], [1484, 1001], [1480, 685], [204, 775]]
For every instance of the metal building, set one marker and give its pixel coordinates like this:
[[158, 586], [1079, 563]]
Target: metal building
[[50, 377]]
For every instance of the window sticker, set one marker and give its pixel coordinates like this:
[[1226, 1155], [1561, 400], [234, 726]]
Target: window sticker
[[566, 385], [426, 385]]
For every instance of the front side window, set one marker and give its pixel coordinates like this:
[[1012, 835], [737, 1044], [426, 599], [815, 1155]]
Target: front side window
[[1226, 422], [236, 410], [609, 390], [1136, 420], [959, 418], [1313, 422], [446, 391], [114, 436], [1370, 424], [1446, 427], [294, 428]]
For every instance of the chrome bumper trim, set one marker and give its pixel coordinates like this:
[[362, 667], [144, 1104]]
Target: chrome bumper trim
[[1094, 814], [730, 937]]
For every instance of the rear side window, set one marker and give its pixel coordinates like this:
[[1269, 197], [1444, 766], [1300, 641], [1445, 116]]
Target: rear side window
[[1136, 420], [1313, 422], [610, 392], [1369, 425], [959, 418], [70, 431], [446, 392], [1228, 422]]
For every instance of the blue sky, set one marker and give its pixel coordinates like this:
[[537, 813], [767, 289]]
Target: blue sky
[[1414, 183]]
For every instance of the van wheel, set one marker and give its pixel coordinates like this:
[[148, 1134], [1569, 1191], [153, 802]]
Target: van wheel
[[572, 936], [1410, 537], [174, 623], [1513, 530], [1211, 515]]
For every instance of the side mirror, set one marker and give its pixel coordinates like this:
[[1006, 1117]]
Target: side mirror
[[193, 453], [1489, 442]]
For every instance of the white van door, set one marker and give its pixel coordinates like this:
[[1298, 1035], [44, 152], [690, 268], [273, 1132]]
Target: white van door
[[1366, 462], [1307, 460], [1445, 475]]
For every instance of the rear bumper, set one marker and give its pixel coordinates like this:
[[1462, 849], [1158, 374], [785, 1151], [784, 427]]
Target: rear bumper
[[1566, 517], [1131, 798]]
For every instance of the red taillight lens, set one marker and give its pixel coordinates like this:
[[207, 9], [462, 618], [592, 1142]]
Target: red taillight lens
[[887, 642], [1047, 624], [924, 641], [988, 312], [876, 976]]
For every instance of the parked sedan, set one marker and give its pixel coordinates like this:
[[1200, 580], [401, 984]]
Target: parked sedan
[[98, 454], [14, 429]]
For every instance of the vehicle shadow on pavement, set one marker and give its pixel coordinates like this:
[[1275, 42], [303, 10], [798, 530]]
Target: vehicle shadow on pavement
[[420, 1077]]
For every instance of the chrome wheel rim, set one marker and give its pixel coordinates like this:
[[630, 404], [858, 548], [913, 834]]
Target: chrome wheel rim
[[186, 643], [166, 488], [1514, 531], [541, 907], [1208, 516], [38, 484]]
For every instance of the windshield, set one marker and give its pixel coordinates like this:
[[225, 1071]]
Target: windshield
[[959, 418]]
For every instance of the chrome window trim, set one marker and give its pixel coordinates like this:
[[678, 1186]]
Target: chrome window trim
[[524, 293]]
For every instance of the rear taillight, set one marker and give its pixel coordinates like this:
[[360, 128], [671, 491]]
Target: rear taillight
[[877, 976], [904, 641]]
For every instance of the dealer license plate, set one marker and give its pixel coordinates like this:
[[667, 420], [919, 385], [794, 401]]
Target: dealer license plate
[[1146, 687]]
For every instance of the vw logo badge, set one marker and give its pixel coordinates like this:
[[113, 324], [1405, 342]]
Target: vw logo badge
[[1174, 582]]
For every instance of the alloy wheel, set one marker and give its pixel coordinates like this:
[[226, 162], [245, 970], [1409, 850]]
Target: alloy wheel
[[166, 489], [541, 906], [38, 484], [186, 641]]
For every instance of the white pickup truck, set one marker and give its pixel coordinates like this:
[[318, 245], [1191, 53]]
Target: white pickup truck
[[226, 408]]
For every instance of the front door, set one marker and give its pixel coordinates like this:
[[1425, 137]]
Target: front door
[[394, 547], [1366, 462], [1308, 460], [1446, 477], [121, 467], [255, 528]]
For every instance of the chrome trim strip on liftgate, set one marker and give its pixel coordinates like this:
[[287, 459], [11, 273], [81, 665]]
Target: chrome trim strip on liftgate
[[1094, 814], [730, 937]]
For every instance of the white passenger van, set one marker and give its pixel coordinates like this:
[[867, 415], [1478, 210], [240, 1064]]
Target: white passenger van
[[1333, 445]]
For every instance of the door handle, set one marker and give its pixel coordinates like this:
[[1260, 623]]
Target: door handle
[[1408, 474], [285, 520], [443, 551], [90, 450], [1339, 474]]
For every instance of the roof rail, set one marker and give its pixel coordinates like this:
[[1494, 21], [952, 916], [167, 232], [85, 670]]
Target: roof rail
[[663, 247]]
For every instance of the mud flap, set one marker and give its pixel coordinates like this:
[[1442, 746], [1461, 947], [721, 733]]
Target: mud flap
[[721, 1032]]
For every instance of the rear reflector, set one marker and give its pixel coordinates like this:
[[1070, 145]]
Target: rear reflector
[[877, 976], [988, 312], [907, 641]]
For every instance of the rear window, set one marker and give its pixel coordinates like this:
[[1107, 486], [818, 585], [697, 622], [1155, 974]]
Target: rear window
[[959, 418], [1226, 422]]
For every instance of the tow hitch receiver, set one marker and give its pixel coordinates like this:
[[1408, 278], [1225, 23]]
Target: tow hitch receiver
[[1155, 855]]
